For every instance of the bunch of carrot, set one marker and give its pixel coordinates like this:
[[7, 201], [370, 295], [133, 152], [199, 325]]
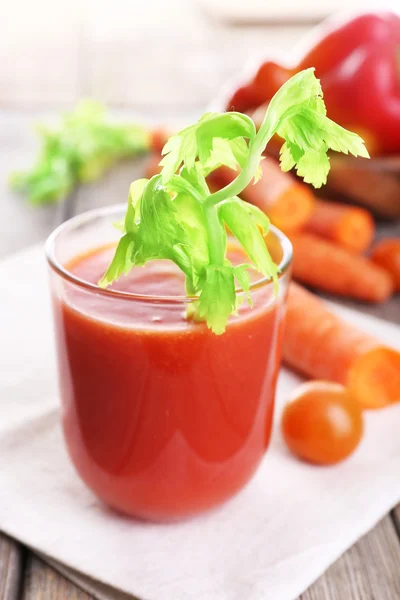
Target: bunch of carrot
[[321, 345], [329, 238], [322, 421], [329, 242]]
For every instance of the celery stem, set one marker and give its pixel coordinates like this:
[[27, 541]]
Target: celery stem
[[256, 148], [216, 235]]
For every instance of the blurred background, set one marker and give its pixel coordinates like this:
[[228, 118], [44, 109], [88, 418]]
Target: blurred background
[[154, 62], [167, 55]]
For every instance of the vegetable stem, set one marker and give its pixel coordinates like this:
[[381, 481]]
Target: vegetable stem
[[174, 216], [216, 235], [256, 148]]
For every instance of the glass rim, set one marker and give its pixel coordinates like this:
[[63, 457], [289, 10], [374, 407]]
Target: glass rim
[[87, 216]]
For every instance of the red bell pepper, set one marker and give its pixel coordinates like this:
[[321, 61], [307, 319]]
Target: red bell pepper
[[358, 63]]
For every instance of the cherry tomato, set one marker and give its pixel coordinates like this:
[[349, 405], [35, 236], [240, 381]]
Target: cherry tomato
[[322, 423]]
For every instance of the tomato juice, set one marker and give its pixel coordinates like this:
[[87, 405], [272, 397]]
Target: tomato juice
[[162, 418]]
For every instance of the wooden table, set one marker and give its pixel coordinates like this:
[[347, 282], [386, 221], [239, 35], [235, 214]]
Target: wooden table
[[100, 53]]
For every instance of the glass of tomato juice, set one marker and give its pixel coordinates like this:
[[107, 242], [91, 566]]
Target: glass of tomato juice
[[162, 418]]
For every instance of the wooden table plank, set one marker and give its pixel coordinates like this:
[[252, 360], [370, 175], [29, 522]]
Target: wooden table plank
[[370, 570], [42, 582], [396, 518], [11, 564]]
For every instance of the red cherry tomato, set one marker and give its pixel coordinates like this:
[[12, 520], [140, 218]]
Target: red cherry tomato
[[322, 423]]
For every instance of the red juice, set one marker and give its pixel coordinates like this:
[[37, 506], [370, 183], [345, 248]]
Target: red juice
[[162, 418]]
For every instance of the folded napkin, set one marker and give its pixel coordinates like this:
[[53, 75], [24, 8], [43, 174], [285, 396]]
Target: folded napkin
[[271, 541]]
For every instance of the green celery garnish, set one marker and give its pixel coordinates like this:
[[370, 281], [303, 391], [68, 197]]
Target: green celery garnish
[[79, 151], [174, 216]]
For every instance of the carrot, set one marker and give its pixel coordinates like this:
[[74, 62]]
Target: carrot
[[159, 137], [349, 226], [387, 255], [326, 266], [152, 166], [321, 345], [287, 202]]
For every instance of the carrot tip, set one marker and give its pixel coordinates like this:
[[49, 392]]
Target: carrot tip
[[374, 379]]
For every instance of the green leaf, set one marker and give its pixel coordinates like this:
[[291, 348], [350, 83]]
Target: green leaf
[[190, 216], [122, 261], [182, 185], [171, 227], [196, 178], [240, 150], [230, 153], [258, 174], [158, 223], [199, 140], [84, 145], [300, 90], [217, 299], [136, 190], [239, 219], [314, 166], [174, 152], [221, 154], [258, 215], [297, 113], [241, 273], [227, 126]]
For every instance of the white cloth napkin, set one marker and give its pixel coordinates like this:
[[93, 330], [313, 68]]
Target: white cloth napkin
[[271, 541]]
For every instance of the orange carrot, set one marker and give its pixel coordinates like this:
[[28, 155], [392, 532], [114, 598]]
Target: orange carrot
[[287, 202], [326, 266], [321, 345], [159, 137], [387, 254], [152, 166], [349, 226]]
